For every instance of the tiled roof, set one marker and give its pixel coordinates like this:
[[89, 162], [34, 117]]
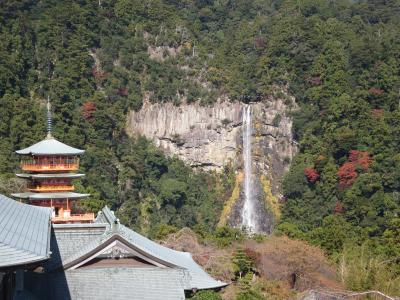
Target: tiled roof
[[50, 146], [68, 239], [38, 196], [51, 175], [108, 283], [198, 278], [24, 233]]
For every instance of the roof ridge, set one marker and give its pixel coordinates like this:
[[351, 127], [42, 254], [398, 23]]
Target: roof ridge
[[109, 215]]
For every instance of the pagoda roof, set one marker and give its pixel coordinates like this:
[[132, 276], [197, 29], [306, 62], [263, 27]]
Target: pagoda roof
[[24, 233], [51, 175], [50, 146], [48, 196]]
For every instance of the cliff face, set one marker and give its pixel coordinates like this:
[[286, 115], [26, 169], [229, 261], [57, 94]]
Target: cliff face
[[211, 136]]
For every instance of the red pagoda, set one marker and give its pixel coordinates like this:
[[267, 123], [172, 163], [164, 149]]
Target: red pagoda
[[50, 166]]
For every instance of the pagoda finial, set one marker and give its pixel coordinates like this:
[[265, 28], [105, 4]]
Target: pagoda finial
[[49, 120]]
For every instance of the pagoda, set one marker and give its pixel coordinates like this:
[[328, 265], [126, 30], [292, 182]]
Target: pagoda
[[50, 166]]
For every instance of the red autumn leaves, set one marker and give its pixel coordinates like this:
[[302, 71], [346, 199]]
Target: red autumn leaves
[[358, 161], [311, 174], [348, 172]]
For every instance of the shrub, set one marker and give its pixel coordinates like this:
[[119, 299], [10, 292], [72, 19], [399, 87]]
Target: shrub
[[206, 295], [226, 122], [360, 270], [277, 120]]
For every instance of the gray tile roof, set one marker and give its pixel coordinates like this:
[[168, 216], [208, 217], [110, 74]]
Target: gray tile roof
[[125, 283], [198, 278], [51, 175], [24, 233], [68, 239], [108, 283], [50, 146]]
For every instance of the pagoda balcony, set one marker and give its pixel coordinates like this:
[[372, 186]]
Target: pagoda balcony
[[50, 163], [52, 188], [87, 217], [32, 167]]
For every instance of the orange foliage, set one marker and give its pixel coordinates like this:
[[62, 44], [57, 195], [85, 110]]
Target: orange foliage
[[360, 158], [339, 208], [377, 112], [87, 110], [375, 91], [347, 174], [311, 174]]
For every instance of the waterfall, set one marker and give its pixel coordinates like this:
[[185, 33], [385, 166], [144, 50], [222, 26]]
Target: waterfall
[[248, 212]]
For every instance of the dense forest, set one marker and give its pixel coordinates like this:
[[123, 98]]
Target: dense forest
[[339, 59]]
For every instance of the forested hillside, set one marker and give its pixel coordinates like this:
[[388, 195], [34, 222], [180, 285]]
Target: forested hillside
[[98, 59]]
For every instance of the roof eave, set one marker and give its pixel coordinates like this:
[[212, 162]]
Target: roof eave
[[20, 152], [25, 263]]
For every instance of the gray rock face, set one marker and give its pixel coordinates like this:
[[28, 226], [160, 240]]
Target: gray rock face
[[210, 137], [264, 217]]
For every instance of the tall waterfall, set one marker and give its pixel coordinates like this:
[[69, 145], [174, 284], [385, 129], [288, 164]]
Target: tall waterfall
[[248, 212]]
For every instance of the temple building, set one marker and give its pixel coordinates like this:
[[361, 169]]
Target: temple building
[[50, 166], [47, 251], [101, 260], [25, 232]]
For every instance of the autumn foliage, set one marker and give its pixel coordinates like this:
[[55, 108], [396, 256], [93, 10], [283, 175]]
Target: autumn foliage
[[375, 91], [311, 174], [259, 42], [339, 208], [347, 174], [88, 109], [360, 158], [377, 112], [348, 171], [99, 76], [315, 80]]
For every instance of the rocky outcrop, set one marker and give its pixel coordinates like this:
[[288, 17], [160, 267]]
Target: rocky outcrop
[[161, 53], [210, 137]]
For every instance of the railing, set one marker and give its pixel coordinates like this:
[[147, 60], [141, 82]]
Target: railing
[[73, 218], [50, 163], [49, 167], [52, 188]]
